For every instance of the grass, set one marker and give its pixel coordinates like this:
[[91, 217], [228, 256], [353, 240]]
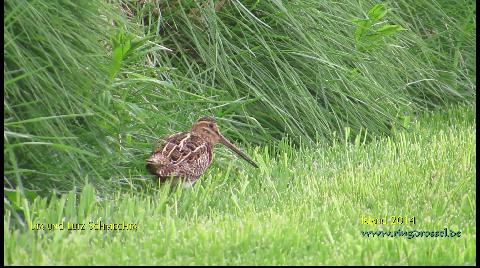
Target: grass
[[295, 68], [302, 206], [52, 70], [324, 95], [90, 85]]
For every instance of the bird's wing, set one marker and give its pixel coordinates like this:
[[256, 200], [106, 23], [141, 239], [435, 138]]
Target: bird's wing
[[193, 165], [160, 143], [181, 154], [161, 158]]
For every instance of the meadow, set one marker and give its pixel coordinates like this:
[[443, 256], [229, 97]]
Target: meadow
[[303, 207], [352, 109]]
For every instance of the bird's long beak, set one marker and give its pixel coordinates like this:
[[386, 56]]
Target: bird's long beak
[[232, 147]]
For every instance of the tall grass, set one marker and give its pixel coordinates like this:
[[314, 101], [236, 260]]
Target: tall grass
[[447, 29], [89, 85], [52, 72], [295, 68]]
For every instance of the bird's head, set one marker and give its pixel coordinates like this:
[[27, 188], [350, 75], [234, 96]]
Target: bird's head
[[207, 128]]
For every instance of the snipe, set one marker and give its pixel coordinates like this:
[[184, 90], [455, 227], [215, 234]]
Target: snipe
[[187, 155]]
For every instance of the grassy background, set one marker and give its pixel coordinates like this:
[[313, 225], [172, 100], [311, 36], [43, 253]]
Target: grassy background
[[324, 95], [301, 207], [87, 93]]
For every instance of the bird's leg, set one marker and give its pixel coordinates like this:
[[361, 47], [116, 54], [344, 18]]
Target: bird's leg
[[188, 184]]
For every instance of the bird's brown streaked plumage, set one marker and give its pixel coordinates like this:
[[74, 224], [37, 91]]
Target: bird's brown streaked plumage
[[187, 155]]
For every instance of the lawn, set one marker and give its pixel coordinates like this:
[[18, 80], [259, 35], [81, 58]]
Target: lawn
[[360, 115], [304, 205]]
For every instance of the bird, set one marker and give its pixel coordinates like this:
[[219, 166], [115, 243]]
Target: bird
[[185, 156]]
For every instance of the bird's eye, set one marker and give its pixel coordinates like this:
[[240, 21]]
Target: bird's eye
[[210, 125]]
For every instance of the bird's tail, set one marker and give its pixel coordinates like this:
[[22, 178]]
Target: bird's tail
[[155, 162]]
